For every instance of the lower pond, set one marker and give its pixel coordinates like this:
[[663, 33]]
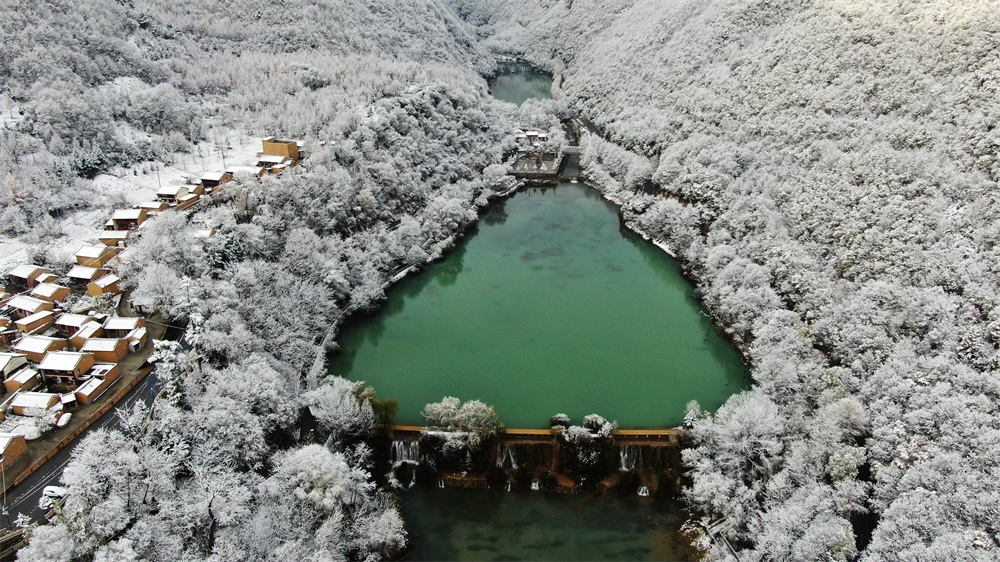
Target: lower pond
[[549, 306], [493, 525]]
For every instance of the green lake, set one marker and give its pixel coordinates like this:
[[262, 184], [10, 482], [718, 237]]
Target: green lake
[[548, 306], [521, 85]]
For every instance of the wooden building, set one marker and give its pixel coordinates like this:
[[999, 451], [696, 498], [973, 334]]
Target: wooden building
[[82, 275], [37, 322], [289, 149], [110, 284], [211, 180], [88, 331], [117, 238], [128, 219], [35, 347], [102, 377], [122, 326], [24, 277], [96, 255], [11, 362], [12, 446], [50, 292], [106, 349], [33, 403], [65, 368], [24, 306], [24, 379]]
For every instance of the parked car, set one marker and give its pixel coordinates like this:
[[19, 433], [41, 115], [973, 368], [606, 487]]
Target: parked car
[[51, 495]]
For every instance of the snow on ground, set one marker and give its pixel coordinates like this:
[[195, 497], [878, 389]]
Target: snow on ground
[[131, 186]]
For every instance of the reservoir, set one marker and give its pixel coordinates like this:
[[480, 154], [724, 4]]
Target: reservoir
[[518, 82], [548, 306]]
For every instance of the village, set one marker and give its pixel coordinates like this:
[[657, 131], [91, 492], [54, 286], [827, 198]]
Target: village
[[69, 334]]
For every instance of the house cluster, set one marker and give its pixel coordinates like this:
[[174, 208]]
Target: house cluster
[[51, 360], [529, 140], [275, 156]]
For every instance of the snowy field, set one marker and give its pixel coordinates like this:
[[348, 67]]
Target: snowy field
[[128, 187]]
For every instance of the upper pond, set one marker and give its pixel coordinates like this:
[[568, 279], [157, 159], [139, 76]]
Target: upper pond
[[549, 306], [518, 82]]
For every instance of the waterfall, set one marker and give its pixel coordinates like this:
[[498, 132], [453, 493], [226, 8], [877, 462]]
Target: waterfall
[[508, 486], [534, 485], [644, 491], [404, 451], [629, 457], [506, 459], [440, 482]]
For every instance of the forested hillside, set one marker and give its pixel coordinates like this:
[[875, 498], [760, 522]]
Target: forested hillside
[[404, 147], [835, 167]]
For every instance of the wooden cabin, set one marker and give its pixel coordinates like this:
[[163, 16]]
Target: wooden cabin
[[24, 277], [11, 362], [33, 403], [26, 306], [88, 331], [106, 349], [23, 379], [12, 447], [65, 368], [37, 322], [115, 238], [82, 274], [128, 219], [122, 326], [102, 377], [50, 292], [35, 347], [212, 180], [110, 284], [289, 149], [69, 324], [170, 194], [96, 256]]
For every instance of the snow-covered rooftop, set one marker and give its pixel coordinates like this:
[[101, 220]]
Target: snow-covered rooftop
[[35, 344], [31, 319], [61, 360], [6, 439], [91, 251], [107, 281], [101, 370], [10, 359], [24, 271], [89, 329], [23, 376], [100, 344], [82, 272], [122, 323], [73, 320], [89, 387], [213, 176], [29, 304], [46, 289], [127, 215], [116, 234], [271, 158], [172, 190], [33, 399]]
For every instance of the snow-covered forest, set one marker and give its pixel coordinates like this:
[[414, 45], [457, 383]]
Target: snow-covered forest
[[404, 146], [834, 166], [828, 172]]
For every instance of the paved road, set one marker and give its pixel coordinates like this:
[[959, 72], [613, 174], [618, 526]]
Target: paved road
[[24, 497]]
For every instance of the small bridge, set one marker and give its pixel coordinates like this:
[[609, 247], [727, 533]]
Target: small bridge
[[566, 149]]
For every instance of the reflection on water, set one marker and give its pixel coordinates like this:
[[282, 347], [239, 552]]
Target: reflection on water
[[454, 524]]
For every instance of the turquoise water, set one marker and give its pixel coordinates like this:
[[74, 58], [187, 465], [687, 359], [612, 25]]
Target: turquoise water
[[519, 87], [549, 306], [493, 525]]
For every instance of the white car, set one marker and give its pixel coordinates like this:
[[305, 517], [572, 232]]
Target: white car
[[62, 421], [51, 495]]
